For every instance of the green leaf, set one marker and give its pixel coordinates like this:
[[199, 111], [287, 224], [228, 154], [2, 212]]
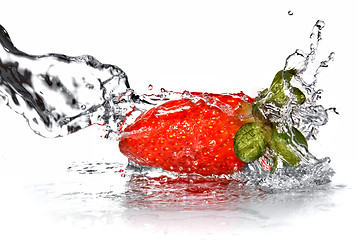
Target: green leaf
[[249, 142], [288, 144], [274, 165], [280, 84], [299, 95]]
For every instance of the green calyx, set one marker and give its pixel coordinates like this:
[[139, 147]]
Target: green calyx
[[288, 145], [250, 142], [285, 143], [252, 139], [281, 90]]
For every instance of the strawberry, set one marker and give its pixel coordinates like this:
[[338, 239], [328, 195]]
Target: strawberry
[[190, 135], [214, 134]]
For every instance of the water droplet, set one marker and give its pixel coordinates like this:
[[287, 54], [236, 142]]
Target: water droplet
[[89, 86], [212, 143], [186, 94], [331, 56], [241, 117], [162, 90], [83, 106], [324, 64], [290, 13], [320, 24], [150, 87]]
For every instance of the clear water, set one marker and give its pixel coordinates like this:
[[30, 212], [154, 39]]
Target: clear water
[[307, 118], [59, 95], [96, 196]]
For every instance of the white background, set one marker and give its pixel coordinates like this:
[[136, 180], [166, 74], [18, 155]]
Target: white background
[[214, 46]]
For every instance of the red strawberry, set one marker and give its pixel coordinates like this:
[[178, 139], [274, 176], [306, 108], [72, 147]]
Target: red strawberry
[[191, 135]]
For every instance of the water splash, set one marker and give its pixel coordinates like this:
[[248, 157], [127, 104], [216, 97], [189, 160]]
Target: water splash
[[59, 95], [307, 117]]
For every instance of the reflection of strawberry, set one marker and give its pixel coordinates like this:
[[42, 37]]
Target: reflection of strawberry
[[190, 135], [185, 193]]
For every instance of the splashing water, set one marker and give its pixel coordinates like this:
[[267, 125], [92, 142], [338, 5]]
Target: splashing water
[[59, 95], [306, 117]]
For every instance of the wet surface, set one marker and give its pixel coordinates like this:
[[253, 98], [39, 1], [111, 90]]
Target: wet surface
[[96, 196]]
